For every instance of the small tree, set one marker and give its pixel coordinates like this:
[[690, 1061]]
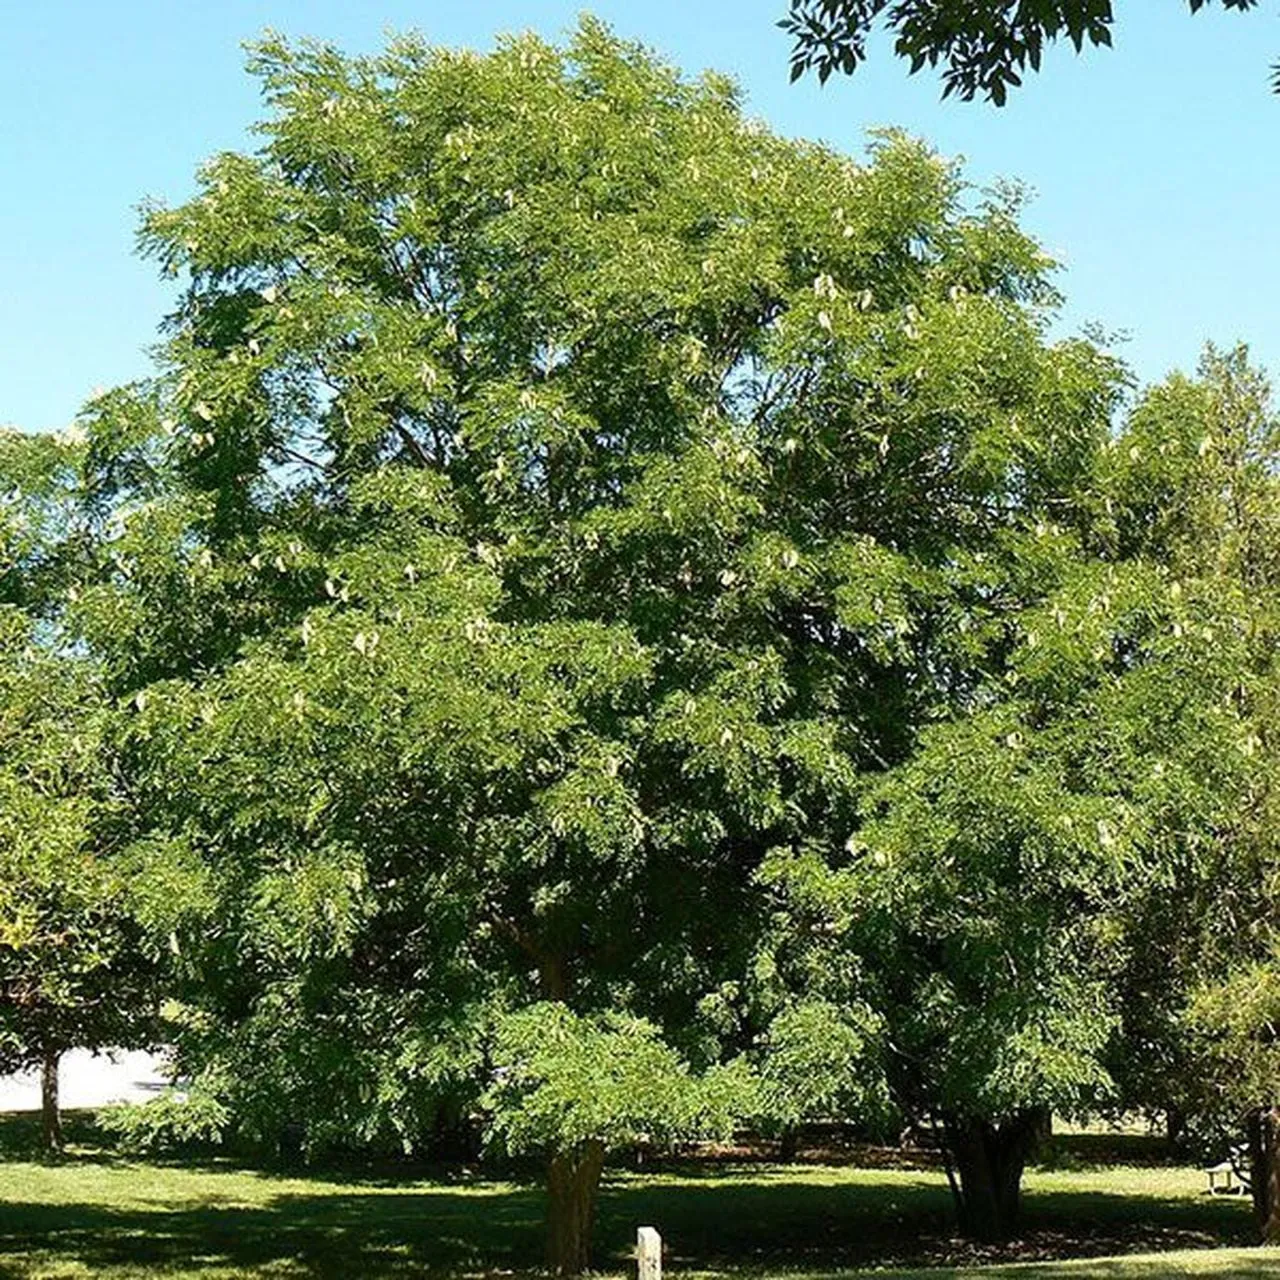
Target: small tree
[[74, 969], [994, 903]]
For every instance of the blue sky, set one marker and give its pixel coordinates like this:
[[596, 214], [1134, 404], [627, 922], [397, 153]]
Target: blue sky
[[1156, 166]]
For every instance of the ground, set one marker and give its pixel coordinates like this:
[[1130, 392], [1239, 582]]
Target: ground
[[97, 1214]]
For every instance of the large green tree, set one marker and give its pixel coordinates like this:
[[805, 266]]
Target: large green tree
[[984, 46], [561, 501]]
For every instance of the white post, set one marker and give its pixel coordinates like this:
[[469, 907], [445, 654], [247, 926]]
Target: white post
[[649, 1253]]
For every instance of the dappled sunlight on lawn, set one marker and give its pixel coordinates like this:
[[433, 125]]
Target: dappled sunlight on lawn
[[813, 1218], [97, 1214]]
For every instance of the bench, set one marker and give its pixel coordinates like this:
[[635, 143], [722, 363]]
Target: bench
[[1227, 1177]]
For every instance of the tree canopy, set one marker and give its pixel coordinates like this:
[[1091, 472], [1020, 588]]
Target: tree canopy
[[1212, 930], [1021, 890], [559, 495]]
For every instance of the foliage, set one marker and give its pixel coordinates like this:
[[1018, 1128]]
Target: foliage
[[542, 515], [986, 48], [172, 1120], [1202, 455], [1028, 897], [820, 1062], [561, 1080], [74, 969], [590, 572], [38, 518], [609, 620]]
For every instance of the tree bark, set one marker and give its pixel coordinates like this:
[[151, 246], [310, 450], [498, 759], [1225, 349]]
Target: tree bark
[[553, 976], [50, 1114], [573, 1178], [1044, 1126], [989, 1159], [553, 968], [1264, 1168]]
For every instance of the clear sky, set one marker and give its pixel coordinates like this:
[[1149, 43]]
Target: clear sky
[[1156, 165]]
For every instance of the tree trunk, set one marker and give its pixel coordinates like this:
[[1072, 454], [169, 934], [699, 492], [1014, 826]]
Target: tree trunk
[[789, 1144], [572, 1180], [989, 1159], [1044, 1127], [50, 1115], [291, 1143], [1264, 1168]]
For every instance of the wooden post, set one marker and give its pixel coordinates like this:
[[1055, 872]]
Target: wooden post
[[649, 1253]]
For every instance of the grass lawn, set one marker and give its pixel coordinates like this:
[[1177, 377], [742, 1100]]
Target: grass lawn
[[1225, 1264], [95, 1214]]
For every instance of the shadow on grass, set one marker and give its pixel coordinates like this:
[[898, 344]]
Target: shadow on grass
[[365, 1220], [21, 1137], [89, 1144], [327, 1235], [729, 1221], [905, 1221]]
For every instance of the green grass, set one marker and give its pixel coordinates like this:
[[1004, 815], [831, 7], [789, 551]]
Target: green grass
[[95, 1214], [1225, 1264]]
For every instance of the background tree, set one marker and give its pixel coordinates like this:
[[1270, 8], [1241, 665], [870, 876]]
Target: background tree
[[985, 47], [1205, 499], [74, 967], [1064, 829]]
